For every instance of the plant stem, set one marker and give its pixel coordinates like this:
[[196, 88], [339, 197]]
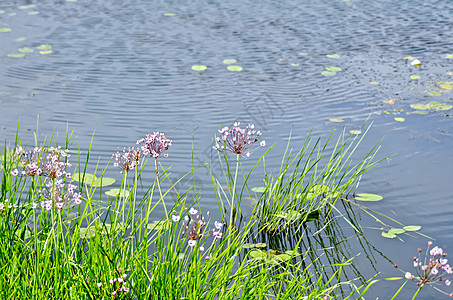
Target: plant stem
[[418, 290], [160, 191], [234, 190]]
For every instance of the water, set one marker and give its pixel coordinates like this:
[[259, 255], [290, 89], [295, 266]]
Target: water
[[122, 69]]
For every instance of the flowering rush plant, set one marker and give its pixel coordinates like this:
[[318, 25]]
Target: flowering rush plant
[[155, 144], [237, 140], [432, 269]]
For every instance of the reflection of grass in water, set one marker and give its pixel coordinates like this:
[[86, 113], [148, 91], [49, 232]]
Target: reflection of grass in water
[[88, 252]]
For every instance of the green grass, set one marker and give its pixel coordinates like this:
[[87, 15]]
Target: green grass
[[65, 254]]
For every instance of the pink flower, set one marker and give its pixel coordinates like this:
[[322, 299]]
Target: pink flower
[[217, 234], [218, 225], [201, 248], [15, 172], [155, 144], [192, 243], [99, 284], [408, 275], [434, 271], [237, 140], [193, 211], [175, 218], [447, 282]]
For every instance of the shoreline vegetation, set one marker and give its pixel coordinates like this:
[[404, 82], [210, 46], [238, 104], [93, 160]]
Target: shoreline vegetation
[[66, 235]]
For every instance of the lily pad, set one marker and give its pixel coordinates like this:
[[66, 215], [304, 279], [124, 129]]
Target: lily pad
[[355, 132], [5, 29], [16, 55], [31, 13], [92, 180], [336, 120], [415, 77], [248, 246], [419, 106], [303, 53], [328, 73], [27, 6], [44, 47], [368, 197], [421, 112], [45, 52], [412, 228], [389, 235], [260, 245], [234, 68], [259, 189], [199, 67], [397, 230], [25, 50], [373, 82], [446, 86], [21, 39], [333, 69], [116, 192], [449, 56], [283, 257], [435, 93], [87, 232], [2, 11], [229, 61], [416, 63], [258, 254], [170, 14], [400, 119], [333, 55], [292, 252], [294, 64], [409, 57]]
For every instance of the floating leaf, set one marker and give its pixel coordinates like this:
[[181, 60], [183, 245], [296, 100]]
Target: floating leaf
[[88, 232], [12, 14], [170, 14], [27, 6], [71, 0], [26, 50], [258, 254], [435, 93], [409, 57], [20, 39], [419, 106], [415, 77], [416, 63], [303, 53], [199, 67], [446, 86], [390, 101], [373, 82], [421, 112], [333, 55], [259, 189], [356, 132], [333, 69], [295, 64], [336, 120], [248, 246], [368, 197], [449, 56], [2, 11], [400, 119], [92, 180], [5, 29], [33, 13], [260, 245], [412, 228], [389, 235], [292, 252], [234, 68], [16, 55], [45, 52], [44, 47], [283, 257], [397, 230], [328, 73], [116, 192], [229, 61]]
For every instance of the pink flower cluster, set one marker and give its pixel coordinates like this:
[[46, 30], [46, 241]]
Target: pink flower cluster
[[431, 269], [237, 140], [50, 163], [194, 225], [115, 286], [155, 144], [127, 160]]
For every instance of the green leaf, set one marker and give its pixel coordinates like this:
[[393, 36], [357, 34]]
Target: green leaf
[[31, 13], [170, 14], [45, 52], [104, 181], [333, 55], [234, 68], [88, 232], [44, 47], [2, 11], [248, 246], [421, 112], [292, 252], [412, 228], [5, 29], [258, 254], [435, 93], [328, 73], [283, 257], [20, 39], [229, 61], [415, 77], [449, 56], [259, 189], [16, 55], [303, 53], [389, 235], [199, 68], [336, 120], [419, 106], [27, 6], [116, 192], [400, 119], [25, 50], [333, 69], [397, 230], [355, 132], [260, 245], [368, 197]]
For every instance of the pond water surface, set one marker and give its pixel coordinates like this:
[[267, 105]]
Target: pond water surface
[[122, 69]]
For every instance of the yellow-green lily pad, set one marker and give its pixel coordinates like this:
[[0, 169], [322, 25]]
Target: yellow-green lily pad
[[333, 55], [336, 120], [397, 230], [25, 50], [21, 39], [229, 61], [117, 192], [169, 14], [415, 77], [234, 68], [389, 235], [45, 52], [199, 68], [333, 69], [260, 245], [44, 47], [31, 13], [328, 73], [449, 56], [258, 254], [16, 55], [412, 228], [355, 132], [400, 119], [368, 197], [259, 189], [5, 29]]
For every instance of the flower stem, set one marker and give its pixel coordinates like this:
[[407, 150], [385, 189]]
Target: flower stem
[[418, 290], [160, 191], [234, 190]]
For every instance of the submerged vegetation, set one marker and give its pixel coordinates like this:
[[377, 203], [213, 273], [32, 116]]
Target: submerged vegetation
[[63, 238]]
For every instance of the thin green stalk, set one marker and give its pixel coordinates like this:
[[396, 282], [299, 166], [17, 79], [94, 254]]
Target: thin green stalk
[[234, 190], [418, 290], [160, 191]]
